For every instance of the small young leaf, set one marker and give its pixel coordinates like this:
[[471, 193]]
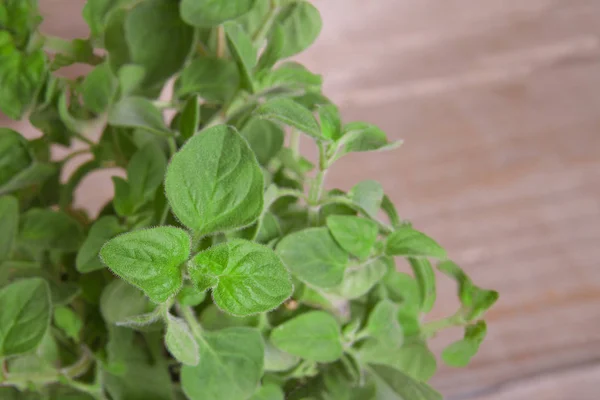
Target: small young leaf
[[383, 324], [104, 229], [408, 242], [288, 112], [203, 13], [21, 76], [274, 50], [390, 210], [145, 173], [368, 195], [131, 77], [314, 257], [268, 392], [213, 79], [180, 342], [246, 277], [67, 320], [314, 336], [354, 234], [331, 125], [264, 137], [459, 353], [25, 316], [395, 385], [190, 296], [9, 225], [360, 137], [158, 39], [475, 301], [149, 259], [190, 118], [120, 301], [231, 365], [425, 278], [225, 192], [98, 88], [301, 24], [243, 51], [138, 112], [50, 230]]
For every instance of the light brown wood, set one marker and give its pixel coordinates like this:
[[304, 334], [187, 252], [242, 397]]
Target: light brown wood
[[498, 102]]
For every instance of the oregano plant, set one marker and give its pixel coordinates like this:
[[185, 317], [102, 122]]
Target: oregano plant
[[224, 267]]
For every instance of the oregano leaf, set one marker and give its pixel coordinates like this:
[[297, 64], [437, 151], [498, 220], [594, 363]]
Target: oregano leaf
[[301, 24], [180, 342], [408, 242], [354, 234], [288, 112], [9, 225], [203, 13]]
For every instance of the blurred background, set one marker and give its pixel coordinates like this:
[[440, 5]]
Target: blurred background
[[498, 102]]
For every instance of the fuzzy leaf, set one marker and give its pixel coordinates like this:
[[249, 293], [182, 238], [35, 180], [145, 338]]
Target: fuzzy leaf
[[9, 225], [459, 353], [120, 302], [213, 79], [301, 24], [264, 137], [138, 112], [180, 342], [203, 13], [50, 230], [104, 229], [288, 112], [383, 324], [354, 234], [408, 242]]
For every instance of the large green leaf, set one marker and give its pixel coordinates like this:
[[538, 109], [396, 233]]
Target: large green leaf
[[314, 336], [264, 137], [138, 112], [313, 256], [50, 230], [368, 195], [359, 279], [245, 277], [21, 76], [231, 365], [383, 324], [158, 39], [268, 392], [225, 191], [25, 315], [213, 79], [354, 234], [242, 49], [120, 301], [301, 23], [203, 13], [180, 342], [149, 259]]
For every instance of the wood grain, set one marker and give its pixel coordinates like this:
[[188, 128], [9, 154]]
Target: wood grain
[[498, 103]]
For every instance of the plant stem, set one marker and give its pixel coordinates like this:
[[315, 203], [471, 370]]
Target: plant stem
[[74, 154], [430, 329], [266, 23], [188, 314], [220, 41], [295, 143], [316, 188]]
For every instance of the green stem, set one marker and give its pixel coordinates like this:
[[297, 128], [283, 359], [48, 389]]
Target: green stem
[[295, 143], [430, 329], [74, 154], [188, 314], [266, 24], [220, 41]]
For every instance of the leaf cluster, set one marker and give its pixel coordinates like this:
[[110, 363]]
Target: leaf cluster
[[222, 268]]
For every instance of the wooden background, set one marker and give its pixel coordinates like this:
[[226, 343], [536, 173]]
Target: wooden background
[[498, 102]]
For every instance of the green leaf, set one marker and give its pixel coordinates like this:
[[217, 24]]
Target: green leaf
[[360, 279], [425, 278], [291, 79], [120, 302], [360, 137], [158, 39], [274, 50], [203, 13], [15, 155], [67, 320], [354, 234], [383, 324], [122, 202], [213, 79], [313, 256], [290, 113], [21, 76], [225, 192], [96, 12], [118, 51], [459, 353], [395, 385], [277, 360], [9, 225], [245, 277], [475, 300], [20, 18], [25, 316], [180, 342], [145, 172], [149, 259], [408, 242], [390, 210], [50, 230], [231, 365], [314, 336], [413, 358], [104, 229], [264, 137], [189, 118], [268, 392], [36, 174], [368, 195], [98, 88], [243, 51], [190, 296], [301, 24], [138, 112], [331, 125], [130, 77]]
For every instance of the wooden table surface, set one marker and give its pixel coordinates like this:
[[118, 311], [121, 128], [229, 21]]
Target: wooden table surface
[[498, 102]]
